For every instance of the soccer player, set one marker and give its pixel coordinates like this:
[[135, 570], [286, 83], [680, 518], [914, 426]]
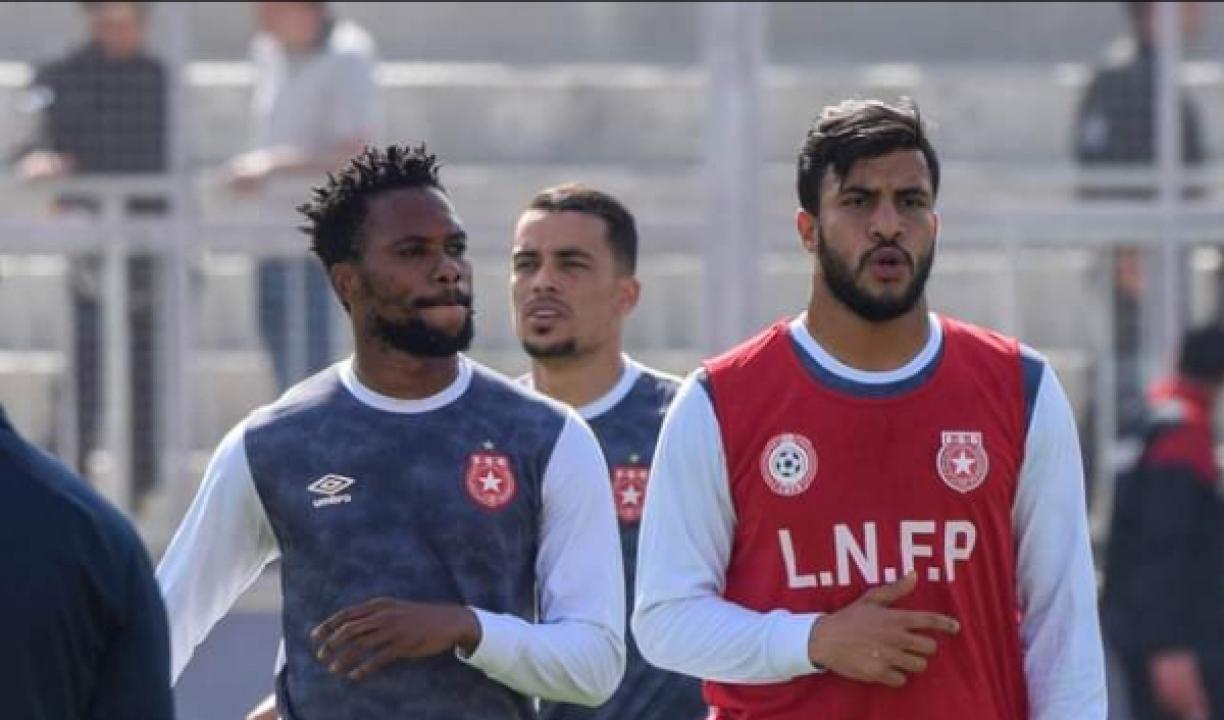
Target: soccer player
[[448, 538], [573, 285], [872, 511]]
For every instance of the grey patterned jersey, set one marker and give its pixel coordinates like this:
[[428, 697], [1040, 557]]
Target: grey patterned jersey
[[627, 433], [438, 506]]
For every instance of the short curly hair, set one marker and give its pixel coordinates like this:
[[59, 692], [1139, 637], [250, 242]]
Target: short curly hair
[[337, 209]]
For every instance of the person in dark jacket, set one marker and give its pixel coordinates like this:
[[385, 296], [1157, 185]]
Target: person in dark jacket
[[83, 623], [1164, 583], [1115, 128]]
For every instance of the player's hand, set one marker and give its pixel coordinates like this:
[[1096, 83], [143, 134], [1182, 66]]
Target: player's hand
[[361, 639], [1178, 685], [871, 642], [265, 710]]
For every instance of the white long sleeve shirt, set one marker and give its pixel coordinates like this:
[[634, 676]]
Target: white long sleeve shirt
[[681, 621], [574, 653]]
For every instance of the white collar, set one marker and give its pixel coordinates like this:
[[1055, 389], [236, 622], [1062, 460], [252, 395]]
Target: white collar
[[916, 364], [630, 373], [631, 370], [378, 401]]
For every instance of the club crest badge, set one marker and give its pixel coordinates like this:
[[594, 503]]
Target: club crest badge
[[962, 461], [629, 491], [788, 464], [490, 479]]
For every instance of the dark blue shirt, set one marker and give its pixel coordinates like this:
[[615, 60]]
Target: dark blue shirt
[[627, 433], [443, 506], [81, 616]]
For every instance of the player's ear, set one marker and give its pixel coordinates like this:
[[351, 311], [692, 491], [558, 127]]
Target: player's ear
[[628, 292], [805, 226], [344, 281]]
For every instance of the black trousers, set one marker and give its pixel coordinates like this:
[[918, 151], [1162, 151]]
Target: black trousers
[[144, 295], [89, 364]]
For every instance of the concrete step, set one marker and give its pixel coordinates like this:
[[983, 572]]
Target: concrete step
[[34, 303], [472, 113], [637, 114], [32, 386], [668, 33]]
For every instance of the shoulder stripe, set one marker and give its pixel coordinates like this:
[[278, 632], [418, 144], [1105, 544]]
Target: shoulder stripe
[[703, 379], [1032, 366]]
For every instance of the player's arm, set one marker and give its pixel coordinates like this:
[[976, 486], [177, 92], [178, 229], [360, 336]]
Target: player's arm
[[683, 623], [1059, 631], [223, 543], [574, 654], [265, 710]]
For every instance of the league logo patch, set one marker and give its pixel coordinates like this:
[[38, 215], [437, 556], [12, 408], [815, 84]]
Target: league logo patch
[[490, 481], [629, 491], [962, 461], [789, 464]]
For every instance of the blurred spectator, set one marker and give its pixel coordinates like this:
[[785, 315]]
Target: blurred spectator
[[103, 112], [314, 106], [1116, 127], [1164, 581], [1117, 115], [84, 626]]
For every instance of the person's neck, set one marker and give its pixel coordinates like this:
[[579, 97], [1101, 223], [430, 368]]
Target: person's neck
[[115, 56], [866, 345], [400, 375], [579, 381]]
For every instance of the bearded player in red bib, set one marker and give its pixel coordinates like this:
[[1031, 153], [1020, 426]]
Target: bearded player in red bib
[[872, 512]]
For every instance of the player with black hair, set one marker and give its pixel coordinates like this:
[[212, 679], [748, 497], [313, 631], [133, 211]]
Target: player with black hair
[[872, 511], [573, 285], [448, 541]]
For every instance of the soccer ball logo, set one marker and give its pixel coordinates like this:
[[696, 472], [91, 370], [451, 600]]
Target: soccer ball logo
[[788, 464]]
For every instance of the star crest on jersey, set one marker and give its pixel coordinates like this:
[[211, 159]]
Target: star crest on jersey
[[490, 479], [789, 464], [629, 491], [962, 462]]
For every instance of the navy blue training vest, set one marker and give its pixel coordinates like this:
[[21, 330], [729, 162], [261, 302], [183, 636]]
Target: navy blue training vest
[[627, 433], [439, 506]]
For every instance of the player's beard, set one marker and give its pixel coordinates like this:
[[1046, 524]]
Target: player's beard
[[415, 337], [841, 281], [551, 351]]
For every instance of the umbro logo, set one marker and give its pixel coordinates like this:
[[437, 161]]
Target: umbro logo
[[330, 488]]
